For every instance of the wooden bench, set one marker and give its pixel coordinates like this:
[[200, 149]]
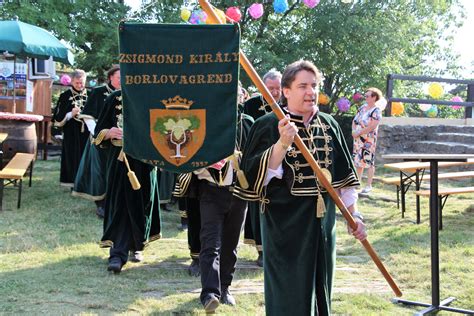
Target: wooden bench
[[443, 194], [14, 172], [448, 175], [416, 179]]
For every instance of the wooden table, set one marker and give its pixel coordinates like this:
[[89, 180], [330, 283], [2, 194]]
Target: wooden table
[[433, 160], [412, 172]]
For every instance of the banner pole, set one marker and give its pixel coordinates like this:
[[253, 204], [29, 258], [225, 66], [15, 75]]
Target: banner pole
[[245, 63]]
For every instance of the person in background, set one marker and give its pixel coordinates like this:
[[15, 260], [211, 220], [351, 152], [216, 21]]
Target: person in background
[[183, 226], [90, 179], [364, 131], [75, 134], [222, 219], [166, 180], [257, 106], [297, 215], [186, 191], [132, 216], [252, 224]]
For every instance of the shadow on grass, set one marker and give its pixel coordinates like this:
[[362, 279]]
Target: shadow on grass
[[79, 284], [178, 266], [190, 307], [404, 247], [47, 219], [82, 284]]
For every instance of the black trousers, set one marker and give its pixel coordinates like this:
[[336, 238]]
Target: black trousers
[[182, 207], [122, 243], [222, 218], [194, 227], [100, 203]]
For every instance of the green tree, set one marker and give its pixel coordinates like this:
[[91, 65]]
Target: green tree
[[90, 27], [355, 45]]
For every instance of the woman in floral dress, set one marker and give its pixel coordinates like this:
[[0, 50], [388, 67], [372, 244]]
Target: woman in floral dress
[[364, 131]]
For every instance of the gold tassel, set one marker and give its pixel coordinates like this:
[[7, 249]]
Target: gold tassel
[[80, 121], [240, 173], [320, 206], [221, 181], [242, 179], [120, 156], [131, 175]]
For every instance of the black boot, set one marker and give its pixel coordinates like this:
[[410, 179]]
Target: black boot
[[115, 265], [260, 259], [194, 268], [226, 297], [100, 212]]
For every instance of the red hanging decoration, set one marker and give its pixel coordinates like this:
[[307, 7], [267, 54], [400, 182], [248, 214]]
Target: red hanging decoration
[[234, 13]]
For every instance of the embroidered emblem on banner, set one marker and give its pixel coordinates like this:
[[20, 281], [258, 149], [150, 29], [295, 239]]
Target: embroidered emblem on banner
[[177, 132]]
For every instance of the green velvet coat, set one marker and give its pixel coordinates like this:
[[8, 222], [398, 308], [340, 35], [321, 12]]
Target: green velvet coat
[[166, 180], [125, 208], [90, 179], [256, 107], [298, 247]]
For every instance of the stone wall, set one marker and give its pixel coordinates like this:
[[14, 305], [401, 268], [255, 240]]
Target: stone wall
[[399, 135], [443, 139]]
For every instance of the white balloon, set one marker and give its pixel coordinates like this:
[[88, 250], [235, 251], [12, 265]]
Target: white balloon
[[424, 107]]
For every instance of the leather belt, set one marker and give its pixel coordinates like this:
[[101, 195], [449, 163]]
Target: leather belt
[[227, 187]]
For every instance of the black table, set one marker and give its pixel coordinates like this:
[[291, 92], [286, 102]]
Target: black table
[[3, 136], [433, 159]]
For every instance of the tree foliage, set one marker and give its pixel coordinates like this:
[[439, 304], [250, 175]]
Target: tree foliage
[[90, 27], [355, 45]]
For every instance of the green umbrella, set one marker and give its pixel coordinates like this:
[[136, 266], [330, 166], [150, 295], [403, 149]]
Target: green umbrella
[[26, 40]]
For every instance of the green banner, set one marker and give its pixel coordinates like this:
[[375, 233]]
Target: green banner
[[179, 90]]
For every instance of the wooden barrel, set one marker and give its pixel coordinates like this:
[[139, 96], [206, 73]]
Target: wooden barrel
[[21, 137]]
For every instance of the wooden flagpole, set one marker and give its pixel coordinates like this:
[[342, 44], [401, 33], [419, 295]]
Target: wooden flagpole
[[245, 63]]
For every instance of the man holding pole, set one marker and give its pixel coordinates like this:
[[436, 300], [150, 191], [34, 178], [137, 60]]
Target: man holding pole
[[298, 216]]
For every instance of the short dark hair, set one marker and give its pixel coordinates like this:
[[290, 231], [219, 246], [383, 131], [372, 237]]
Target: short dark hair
[[293, 69], [112, 72]]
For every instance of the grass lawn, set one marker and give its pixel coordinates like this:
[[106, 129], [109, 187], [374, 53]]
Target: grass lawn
[[50, 262]]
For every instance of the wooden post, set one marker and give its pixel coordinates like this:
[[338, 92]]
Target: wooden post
[[470, 98], [388, 108]]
